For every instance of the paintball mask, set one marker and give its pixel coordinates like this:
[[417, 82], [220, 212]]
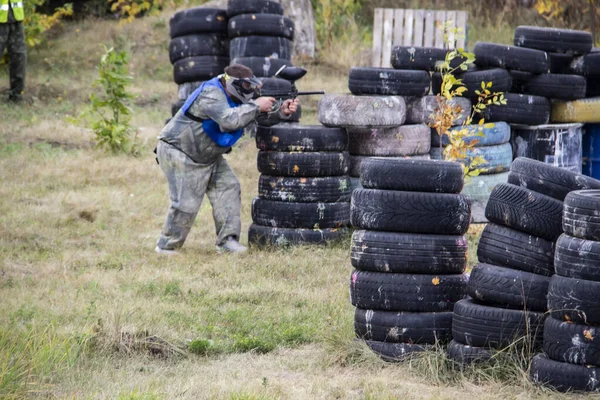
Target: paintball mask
[[243, 89]]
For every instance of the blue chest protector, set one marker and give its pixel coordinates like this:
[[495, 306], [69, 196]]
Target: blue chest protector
[[210, 127]]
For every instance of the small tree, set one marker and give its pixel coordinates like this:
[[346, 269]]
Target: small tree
[[109, 114], [447, 112]]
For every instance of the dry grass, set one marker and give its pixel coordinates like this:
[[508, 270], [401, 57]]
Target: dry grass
[[90, 311]]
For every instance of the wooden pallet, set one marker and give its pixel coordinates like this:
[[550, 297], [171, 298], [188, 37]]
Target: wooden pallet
[[401, 27]]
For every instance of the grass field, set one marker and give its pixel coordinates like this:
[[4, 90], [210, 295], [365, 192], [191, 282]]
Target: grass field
[[90, 311]]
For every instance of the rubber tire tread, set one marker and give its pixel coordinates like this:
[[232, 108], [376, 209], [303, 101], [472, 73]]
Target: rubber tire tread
[[395, 352], [302, 164], [525, 210], [463, 354], [403, 327], [499, 77], [507, 247], [582, 214], [564, 377], [412, 175], [261, 25], [508, 288], [263, 67], [493, 134], [405, 140], [198, 20], [301, 138], [557, 86], [574, 300], [577, 258], [547, 179], [553, 39], [479, 325], [406, 292], [198, 45], [497, 158], [408, 253], [355, 162], [572, 343], [417, 58], [387, 81], [280, 214], [362, 111], [510, 57], [261, 46], [265, 236], [520, 109], [330, 189], [236, 7], [201, 68], [410, 212]]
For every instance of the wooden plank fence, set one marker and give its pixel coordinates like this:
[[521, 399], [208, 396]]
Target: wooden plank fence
[[402, 27]]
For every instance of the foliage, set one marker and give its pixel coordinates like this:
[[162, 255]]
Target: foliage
[[108, 113], [333, 17], [576, 14], [447, 112], [130, 9], [36, 24]]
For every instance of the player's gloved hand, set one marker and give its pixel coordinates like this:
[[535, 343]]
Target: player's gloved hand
[[265, 103], [290, 106]]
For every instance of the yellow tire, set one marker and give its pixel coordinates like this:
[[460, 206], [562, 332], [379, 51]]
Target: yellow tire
[[585, 110]]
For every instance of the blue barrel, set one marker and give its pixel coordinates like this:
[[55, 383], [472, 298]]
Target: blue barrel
[[558, 145], [591, 150]]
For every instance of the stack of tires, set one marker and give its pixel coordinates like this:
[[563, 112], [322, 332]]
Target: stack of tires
[[554, 50], [409, 253], [509, 286], [261, 37], [199, 48], [571, 334], [303, 190]]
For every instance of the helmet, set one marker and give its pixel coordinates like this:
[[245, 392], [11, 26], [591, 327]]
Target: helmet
[[243, 89]]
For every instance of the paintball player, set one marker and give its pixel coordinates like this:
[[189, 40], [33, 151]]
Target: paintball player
[[190, 151], [12, 37]]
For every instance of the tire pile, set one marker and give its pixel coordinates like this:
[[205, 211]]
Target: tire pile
[[304, 192], [261, 37], [571, 333], [409, 253], [199, 48], [509, 287]]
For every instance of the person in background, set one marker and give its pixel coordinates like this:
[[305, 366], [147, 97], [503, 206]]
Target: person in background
[[190, 151], [12, 38]]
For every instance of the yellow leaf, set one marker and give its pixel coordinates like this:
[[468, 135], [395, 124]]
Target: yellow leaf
[[588, 333], [435, 281]]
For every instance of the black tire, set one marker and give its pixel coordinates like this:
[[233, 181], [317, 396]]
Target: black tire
[[574, 300], [355, 162], [329, 189], [261, 25], [581, 217], [510, 57], [553, 39], [412, 175], [411, 212], [419, 58], [547, 179], [593, 86], [261, 46], [520, 109], [175, 107], [557, 86], [484, 326], [577, 258], [198, 45], [408, 253], [198, 20], [302, 164], [500, 78], [362, 111], [395, 352], [263, 236], [506, 247], [564, 377], [301, 138], [508, 288], [493, 134], [587, 65], [403, 327], [278, 214], [404, 140], [263, 66], [387, 81], [406, 292], [560, 63], [201, 68], [525, 210], [519, 81], [419, 110], [572, 343], [274, 85], [236, 7], [497, 158], [464, 355]]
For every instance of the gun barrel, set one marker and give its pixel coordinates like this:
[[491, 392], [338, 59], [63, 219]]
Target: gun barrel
[[310, 93]]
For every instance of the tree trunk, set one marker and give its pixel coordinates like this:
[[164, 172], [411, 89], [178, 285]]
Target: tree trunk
[[301, 11]]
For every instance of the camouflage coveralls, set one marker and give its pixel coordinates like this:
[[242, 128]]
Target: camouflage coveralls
[[194, 166], [12, 37]]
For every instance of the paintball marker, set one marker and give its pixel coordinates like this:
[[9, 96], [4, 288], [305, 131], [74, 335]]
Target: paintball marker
[[291, 74]]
